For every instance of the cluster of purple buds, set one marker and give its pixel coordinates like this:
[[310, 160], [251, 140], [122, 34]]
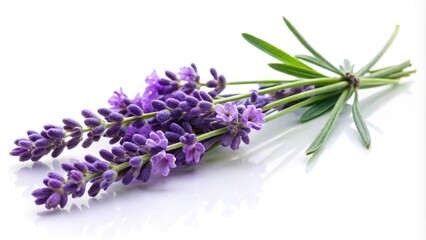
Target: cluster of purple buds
[[150, 134]]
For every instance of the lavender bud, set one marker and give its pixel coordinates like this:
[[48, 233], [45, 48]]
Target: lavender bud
[[194, 67], [139, 139], [109, 175], [17, 151], [135, 162], [53, 200], [104, 111], [86, 143], [105, 154], [158, 105], [128, 177], [253, 96], [213, 73], [55, 133], [112, 131], [81, 166], [222, 80], [176, 113], [27, 144], [42, 143], [135, 110], [196, 94], [54, 183], [39, 152], [91, 159], [187, 127], [195, 111], [101, 166], [88, 114], [77, 133], [211, 83], [118, 151], [73, 142], [162, 115], [145, 173], [71, 122], [67, 167], [172, 137], [94, 189], [205, 96], [57, 151], [115, 117], [246, 139], [177, 129], [185, 106], [92, 122], [235, 144], [42, 192], [97, 131], [56, 176], [163, 82], [131, 147], [192, 101], [205, 105], [171, 75], [180, 96], [172, 103], [34, 137], [63, 201]]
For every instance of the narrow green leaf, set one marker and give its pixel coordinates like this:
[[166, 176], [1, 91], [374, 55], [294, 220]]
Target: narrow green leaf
[[295, 71], [274, 51], [314, 61], [360, 123], [319, 109], [402, 74], [326, 129], [310, 48], [390, 70], [376, 58]]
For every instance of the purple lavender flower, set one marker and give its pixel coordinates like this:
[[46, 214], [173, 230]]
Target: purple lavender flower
[[193, 150], [157, 142], [162, 162], [119, 100], [188, 74], [253, 117], [151, 91], [227, 113]]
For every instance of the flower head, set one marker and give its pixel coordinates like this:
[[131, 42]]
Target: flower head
[[227, 113], [188, 74], [119, 100], [193, 150], [157, 141], [253, 117], [162, 162]]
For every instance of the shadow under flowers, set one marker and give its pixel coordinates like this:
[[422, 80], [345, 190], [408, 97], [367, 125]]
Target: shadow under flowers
[[224, 183]]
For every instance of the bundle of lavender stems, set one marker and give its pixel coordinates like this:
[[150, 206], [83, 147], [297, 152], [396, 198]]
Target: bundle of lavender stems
[[178, 118]]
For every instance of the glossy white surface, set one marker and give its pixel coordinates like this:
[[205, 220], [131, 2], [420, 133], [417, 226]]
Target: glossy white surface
[[57, 58]]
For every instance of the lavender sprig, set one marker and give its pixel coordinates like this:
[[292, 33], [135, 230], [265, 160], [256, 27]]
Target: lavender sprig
[[175, 121]]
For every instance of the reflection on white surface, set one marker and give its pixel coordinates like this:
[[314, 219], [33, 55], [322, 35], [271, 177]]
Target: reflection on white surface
[[224, 183]]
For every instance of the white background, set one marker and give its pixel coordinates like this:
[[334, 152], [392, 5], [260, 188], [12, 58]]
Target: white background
[[58, 57]]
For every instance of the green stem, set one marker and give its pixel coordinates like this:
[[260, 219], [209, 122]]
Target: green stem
[[296, 106], [376, 58], [325, 89], [314, 81], [373, 82], [390, 70], [260, 82]]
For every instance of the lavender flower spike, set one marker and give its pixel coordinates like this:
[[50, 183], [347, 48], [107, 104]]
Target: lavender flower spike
[[227, 113], [162, 162]]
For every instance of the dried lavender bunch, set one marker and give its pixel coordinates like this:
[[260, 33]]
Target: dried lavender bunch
[[177, 119]]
